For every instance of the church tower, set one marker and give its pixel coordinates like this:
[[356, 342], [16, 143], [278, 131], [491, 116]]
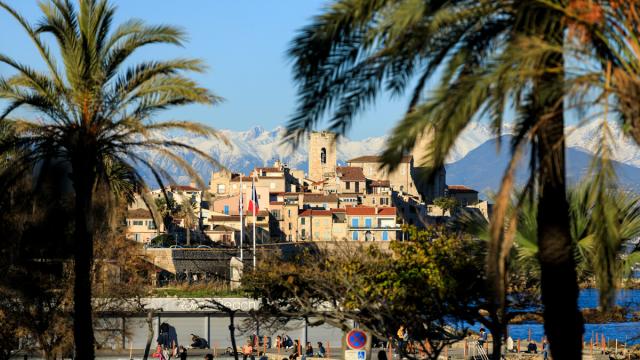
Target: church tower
[[322, 155]]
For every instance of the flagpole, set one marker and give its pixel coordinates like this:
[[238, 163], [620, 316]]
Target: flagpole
[[255, 203], [241, 218]]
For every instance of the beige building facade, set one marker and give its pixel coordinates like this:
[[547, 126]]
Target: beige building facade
[[322, 155]]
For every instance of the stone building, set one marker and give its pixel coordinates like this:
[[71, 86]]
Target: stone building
[[322, 155]]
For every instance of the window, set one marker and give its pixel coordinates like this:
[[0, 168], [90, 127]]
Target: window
[[354, 222], [323, 156], [357, 186], [137, 237], [290, 226], [374, 201], [325, 206], [347, 185], [222, 189], [302, 221], [367, 222], [289, 237], [303, 232], [138, 222], [289, 212], [385, 235], [226, 209], [151, 225], [354, 235]]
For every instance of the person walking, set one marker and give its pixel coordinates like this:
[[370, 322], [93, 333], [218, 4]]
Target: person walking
[[545, 349], [482, 338]]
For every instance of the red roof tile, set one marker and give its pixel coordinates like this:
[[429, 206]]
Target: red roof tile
[[320, 198], [310, 212], [387, 211], [380, 183], [350, 173], [460, 189], [361, 210], [139, 214], [183, 188]]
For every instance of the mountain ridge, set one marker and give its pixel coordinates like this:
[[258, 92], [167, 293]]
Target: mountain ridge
[[258, 146]]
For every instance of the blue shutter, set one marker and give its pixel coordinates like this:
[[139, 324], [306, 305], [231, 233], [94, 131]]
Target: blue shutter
[[367, 222], [385, 235], [354, 222], [226, 209], [354, 235]]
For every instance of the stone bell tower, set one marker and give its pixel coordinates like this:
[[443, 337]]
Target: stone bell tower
[[322, 155]]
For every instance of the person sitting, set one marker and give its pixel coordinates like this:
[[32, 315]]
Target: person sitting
[[532, 348], [158, 354], [509, 344], [263, 356], [208, 357], [309, 350], [182, 353], [288, 343], [322, 352], [198, 343], [247, 351], [295, 350]]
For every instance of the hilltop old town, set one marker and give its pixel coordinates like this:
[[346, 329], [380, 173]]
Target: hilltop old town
[[361, 201]]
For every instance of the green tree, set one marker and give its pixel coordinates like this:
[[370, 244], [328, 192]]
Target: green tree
[[480, 59], [422, 284], [95, 114], [447, 204], [187, 212]]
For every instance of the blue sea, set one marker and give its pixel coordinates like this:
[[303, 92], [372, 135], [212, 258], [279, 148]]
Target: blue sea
[[627, 332]]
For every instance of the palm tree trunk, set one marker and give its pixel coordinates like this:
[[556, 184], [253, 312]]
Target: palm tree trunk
[[83, 179], [562, 320]]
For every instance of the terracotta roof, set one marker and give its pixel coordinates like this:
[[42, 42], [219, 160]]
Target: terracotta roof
[[343, 195], [139, 214], [338, 210], [460, 189], [350, 173], [320, 198], [377, 159], [361, 210], [269, 169], [310, 212], [183, 188], [387, 211], [236, 178], [380, 183]]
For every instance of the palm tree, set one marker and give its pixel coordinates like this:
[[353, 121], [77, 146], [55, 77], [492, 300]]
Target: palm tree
[[187, 212], [482, 59], [607, 259], [94, 113]]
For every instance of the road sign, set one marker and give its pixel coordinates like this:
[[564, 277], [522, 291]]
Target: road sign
[[355, 355], [356, 339]]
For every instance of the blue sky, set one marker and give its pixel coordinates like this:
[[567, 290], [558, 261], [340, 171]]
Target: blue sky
[[244, 44]]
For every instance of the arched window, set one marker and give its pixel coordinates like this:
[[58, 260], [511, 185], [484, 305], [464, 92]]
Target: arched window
[[323, 156]]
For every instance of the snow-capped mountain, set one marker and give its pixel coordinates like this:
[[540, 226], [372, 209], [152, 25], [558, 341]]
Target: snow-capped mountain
[[260, 147]]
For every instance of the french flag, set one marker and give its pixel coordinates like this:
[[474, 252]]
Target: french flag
[[253, 203]]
